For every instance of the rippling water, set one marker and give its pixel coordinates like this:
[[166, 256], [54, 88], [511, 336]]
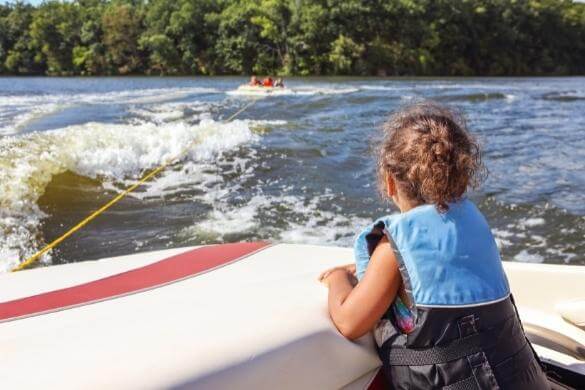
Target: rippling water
[[294, 167]]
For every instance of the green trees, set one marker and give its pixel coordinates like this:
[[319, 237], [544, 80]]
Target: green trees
[[89, 56], [122, 26], [54, 32], [179, 35], [304, 37], [16, 54], [159, 38], [345, 55]]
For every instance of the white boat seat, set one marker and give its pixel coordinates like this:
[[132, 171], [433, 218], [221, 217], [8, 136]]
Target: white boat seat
[[573, 312]]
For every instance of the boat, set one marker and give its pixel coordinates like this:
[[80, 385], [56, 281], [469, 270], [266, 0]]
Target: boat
[[239, 316]]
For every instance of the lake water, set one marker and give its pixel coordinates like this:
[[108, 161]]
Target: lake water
[[294, 167]]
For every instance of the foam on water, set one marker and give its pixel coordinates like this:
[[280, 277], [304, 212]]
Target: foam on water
[[502, 237], [531, 222], [17, 111], [565, 96], [384, 88], [110, 152], [322, 227], [283, 216], [171, 111], [270, 122], [13, 119], [526, 256]]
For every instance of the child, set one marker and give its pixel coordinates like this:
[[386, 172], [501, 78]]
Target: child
[[431, 283]]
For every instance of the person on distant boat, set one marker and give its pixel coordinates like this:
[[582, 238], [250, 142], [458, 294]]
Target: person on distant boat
[[429, 280], [279, 83], [254, 82], [268, 82]]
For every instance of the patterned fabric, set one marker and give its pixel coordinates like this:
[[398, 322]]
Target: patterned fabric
[[398, 319], [403, 316]]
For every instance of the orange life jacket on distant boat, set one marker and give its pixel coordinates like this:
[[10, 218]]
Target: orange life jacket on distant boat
[[267, 82]]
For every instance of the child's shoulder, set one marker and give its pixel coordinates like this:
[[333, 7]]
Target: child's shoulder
[[379, 223], [368, 238], [464, 207]]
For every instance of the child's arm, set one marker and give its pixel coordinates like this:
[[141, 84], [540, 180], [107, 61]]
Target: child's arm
[[355, 311]]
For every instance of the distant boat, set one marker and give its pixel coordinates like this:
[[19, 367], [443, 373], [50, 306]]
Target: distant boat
[[245, 316]]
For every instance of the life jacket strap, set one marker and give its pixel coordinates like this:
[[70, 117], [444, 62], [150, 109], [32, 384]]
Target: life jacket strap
[[468, 343], [459, 348]]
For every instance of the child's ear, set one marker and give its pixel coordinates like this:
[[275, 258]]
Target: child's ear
[[390, 186]]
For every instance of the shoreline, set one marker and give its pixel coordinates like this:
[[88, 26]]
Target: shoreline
[[294, 77]]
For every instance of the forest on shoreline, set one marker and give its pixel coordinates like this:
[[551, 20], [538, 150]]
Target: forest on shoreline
[[293, 37]]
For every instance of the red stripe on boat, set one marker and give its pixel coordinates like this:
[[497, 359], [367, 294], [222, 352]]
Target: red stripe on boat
[[379, 382], [169, 270]]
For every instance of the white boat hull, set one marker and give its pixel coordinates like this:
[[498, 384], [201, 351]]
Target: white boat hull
[[255, 320]]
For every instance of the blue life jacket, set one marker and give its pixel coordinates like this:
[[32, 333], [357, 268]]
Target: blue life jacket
[[460, 309], [448, 259]]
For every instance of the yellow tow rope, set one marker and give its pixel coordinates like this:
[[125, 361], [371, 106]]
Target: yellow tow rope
[[32, 259]]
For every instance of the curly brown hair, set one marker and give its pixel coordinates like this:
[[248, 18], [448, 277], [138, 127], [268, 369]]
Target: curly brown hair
[[430, 154]]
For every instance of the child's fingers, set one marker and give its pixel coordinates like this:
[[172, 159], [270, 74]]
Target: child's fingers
[[324, 275], [350, 268]]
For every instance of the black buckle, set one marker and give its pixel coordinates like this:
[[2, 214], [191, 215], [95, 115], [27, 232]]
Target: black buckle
[[467, 325], [477, 360]]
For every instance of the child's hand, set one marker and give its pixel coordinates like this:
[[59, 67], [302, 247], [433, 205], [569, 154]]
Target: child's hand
[[348, 269]]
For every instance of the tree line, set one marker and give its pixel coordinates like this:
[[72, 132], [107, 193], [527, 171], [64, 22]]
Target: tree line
[[293, 37]]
